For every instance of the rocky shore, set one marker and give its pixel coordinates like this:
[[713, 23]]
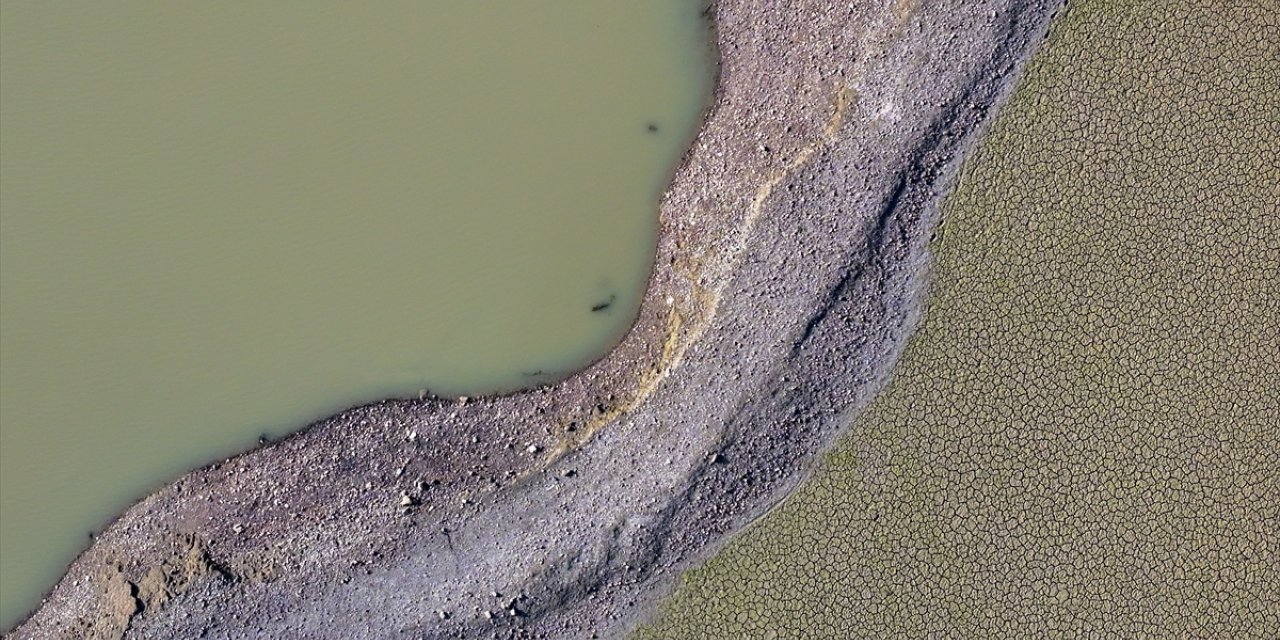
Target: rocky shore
[[788, 273]]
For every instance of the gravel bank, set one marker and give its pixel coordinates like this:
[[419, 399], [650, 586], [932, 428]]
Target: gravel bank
[[787, 276]]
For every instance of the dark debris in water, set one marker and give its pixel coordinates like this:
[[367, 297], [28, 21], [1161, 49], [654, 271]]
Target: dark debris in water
[[601, 306]]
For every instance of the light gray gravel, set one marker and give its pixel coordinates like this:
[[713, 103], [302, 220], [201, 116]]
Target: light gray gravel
[[788, 275]]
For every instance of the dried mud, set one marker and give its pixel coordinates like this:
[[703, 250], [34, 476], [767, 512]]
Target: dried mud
[[1081, 439]]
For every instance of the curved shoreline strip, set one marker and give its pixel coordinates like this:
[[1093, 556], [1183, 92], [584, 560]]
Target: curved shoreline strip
[[787, 277]]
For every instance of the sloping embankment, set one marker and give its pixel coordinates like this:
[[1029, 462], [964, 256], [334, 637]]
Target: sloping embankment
[[787, 275]]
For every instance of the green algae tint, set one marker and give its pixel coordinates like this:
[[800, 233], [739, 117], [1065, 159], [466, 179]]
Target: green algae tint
[[228, 219]]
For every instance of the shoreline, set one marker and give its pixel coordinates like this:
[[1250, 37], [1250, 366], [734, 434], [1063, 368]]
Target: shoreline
[[787, 276]]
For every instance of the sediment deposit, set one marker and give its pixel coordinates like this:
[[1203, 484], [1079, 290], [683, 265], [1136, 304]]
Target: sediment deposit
[[787, 276]]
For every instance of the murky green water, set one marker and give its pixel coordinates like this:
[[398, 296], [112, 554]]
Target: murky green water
[[227, 219]]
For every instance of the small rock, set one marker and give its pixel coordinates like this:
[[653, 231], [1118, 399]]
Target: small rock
[[407, 500], [533, 448]]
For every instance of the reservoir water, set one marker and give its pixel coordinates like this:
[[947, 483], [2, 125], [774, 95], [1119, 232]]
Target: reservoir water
[[223, 220]]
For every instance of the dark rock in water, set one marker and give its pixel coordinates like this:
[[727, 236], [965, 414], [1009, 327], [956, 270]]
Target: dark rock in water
[[604, 305]]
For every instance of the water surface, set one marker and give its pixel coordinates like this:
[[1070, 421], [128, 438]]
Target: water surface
[[221, 220]]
